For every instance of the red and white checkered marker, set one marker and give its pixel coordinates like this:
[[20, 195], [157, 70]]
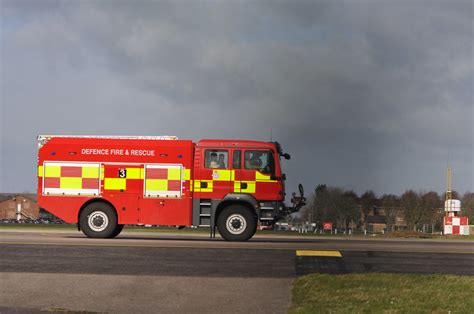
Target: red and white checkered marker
[[456, 225]]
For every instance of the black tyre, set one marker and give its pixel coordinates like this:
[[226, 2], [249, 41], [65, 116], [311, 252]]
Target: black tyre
[[237, 223], [98, 220], [117, 231]]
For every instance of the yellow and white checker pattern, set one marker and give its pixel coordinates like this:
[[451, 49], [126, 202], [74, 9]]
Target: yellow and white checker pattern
[[164, 186], [70, 185], [120, 184], [239, 186]]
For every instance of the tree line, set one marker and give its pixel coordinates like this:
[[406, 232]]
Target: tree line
[[346, 209]]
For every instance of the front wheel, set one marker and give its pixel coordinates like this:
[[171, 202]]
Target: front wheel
[[99, 220], [237, 223]]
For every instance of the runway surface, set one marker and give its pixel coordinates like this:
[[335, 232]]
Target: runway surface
[[191, 266], [259, 242], [197, 255]]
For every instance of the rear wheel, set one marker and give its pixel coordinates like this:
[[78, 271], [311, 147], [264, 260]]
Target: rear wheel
[[99, 220], [117, 231], [237, 223]]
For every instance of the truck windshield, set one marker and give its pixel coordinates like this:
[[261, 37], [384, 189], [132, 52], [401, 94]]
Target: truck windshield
[[261, 160]]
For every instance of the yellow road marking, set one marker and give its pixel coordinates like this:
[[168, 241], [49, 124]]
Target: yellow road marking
[[318, 253]]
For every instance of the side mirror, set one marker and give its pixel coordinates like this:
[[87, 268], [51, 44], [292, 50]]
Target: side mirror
[[286, 156], [298, 201]]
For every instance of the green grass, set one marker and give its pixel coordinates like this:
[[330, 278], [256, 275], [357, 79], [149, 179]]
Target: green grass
[[383, 293]]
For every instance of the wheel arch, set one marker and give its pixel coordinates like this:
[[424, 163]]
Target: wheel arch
[[237, 199]]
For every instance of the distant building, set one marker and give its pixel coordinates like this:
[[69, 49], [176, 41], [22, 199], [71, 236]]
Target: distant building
[[400, 222], [19, 206], [377, 218], [376, 224]]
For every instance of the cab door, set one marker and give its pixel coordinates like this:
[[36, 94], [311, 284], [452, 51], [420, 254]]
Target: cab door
[[213, 176], [256, 175]]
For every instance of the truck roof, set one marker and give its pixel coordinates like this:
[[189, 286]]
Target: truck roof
[[76, 139], [232, 143], [128, 137]]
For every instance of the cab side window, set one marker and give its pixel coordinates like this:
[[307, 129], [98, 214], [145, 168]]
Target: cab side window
[[216, 159], [261, 160], [236, 159]]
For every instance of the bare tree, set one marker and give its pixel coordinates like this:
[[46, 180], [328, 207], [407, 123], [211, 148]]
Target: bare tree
[[367, 202], [344, 207], [431, 203], [334, 204], [350, 208], [391, 205], [316, 209], [411, 205], [468, 206]]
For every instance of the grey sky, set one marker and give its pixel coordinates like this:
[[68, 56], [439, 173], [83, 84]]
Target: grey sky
[[364, 94]]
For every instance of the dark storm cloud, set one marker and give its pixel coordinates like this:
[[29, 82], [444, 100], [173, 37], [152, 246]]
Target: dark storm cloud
[[366, 94]]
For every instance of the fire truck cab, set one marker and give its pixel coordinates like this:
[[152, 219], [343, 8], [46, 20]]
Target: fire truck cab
[[102, 183]]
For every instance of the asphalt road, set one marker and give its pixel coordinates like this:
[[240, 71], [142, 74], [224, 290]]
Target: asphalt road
[[259, 242], [150, 272]]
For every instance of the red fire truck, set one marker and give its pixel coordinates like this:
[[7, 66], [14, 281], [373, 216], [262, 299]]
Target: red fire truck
[[102, 183]]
